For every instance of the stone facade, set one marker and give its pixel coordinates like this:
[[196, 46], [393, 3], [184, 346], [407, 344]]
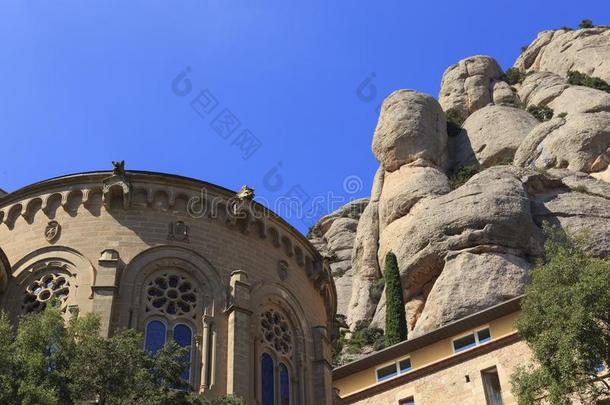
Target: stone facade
[[461, 383], [137, 247]]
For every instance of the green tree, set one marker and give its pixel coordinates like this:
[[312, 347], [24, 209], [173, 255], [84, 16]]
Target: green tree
[[566, 324], [41, 354], [586, 24], [46, 362], [395, 317], [7, 362]]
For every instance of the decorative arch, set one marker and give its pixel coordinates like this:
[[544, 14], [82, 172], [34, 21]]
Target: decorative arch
[[5, 271], [285, 340], [53, 271], [180, 288]]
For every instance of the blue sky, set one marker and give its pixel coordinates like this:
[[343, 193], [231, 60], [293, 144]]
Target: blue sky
[[86, 82]]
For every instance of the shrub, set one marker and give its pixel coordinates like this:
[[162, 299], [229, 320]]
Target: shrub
[[360, 325], [542, 113], [362, 336], [454, 122], [581, 79], [586, 24], [376, 290], [395, 317], [562, 115], [462, 175], [513, 76], [339, 272]]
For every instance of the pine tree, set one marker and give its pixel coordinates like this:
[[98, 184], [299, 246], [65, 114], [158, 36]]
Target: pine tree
[[395, 317]]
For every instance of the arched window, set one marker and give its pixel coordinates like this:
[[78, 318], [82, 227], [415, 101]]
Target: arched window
[[171, 301], [267, 383], [277, 337], [284, 385], [183, 336], [155, 336], [52, 285]]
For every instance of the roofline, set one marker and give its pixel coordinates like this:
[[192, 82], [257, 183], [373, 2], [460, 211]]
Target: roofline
[[108, 173], [92, 176], [408, 346], [429, 369]]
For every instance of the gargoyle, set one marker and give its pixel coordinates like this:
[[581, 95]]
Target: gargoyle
[[245, 193], [118, 168]]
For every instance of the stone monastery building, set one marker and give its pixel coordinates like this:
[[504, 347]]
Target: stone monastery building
[[180, 259]]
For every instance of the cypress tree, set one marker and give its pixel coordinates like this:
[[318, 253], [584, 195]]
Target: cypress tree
[[395, 317]]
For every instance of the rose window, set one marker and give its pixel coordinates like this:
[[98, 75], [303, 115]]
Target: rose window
[[48, 287], [171, 294], [276, 332]]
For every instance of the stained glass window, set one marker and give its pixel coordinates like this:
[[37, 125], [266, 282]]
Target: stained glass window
[[284, 385], [267, 388], [183, 336], [155, 336]]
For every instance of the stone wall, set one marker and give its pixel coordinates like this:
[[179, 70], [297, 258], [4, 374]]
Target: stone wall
[[460, 384], [109, 233]]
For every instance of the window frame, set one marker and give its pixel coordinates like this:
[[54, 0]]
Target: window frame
[[192, 346], [410, 367], [477, 342], [274, 376], [396, 364], [170, 325], [165, 323], [395, 374], [408, 400], [286, 366], [277, 361], [487, 388]]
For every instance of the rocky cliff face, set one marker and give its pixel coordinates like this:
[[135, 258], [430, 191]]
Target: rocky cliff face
[[464, 247]]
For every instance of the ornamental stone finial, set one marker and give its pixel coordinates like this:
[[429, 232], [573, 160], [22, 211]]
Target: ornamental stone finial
[[245, 193], [118, 168], [117, 184]]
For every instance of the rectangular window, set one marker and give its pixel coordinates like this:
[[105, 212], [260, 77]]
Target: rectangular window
[[464, 343], [491, 385], [472, 340], [386, 372], [483, 336], [408, 401], [404, 365]]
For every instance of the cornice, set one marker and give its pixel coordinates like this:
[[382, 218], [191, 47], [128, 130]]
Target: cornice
[[141, 190]]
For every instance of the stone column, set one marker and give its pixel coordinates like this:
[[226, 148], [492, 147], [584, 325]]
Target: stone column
[[206, 350], [105, 288], [238, 340], [322, 368]]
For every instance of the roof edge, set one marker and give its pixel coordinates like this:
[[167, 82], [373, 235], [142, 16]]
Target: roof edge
[[94, 175], [448, 330]]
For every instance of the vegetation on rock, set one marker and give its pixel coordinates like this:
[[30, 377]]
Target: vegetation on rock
[[360, 338], [542, 113], [395, 317], [454, 122], [513, 76], [585, 24], [460, 177], [45, 362], [581, 79], [566, 323], [376, 290]]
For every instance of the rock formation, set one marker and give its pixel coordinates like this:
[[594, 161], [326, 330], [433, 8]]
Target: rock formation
[[585, 50], [334, 236], [450, 237]]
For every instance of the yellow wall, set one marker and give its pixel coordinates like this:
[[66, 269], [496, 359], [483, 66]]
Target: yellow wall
[[424, 356]]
